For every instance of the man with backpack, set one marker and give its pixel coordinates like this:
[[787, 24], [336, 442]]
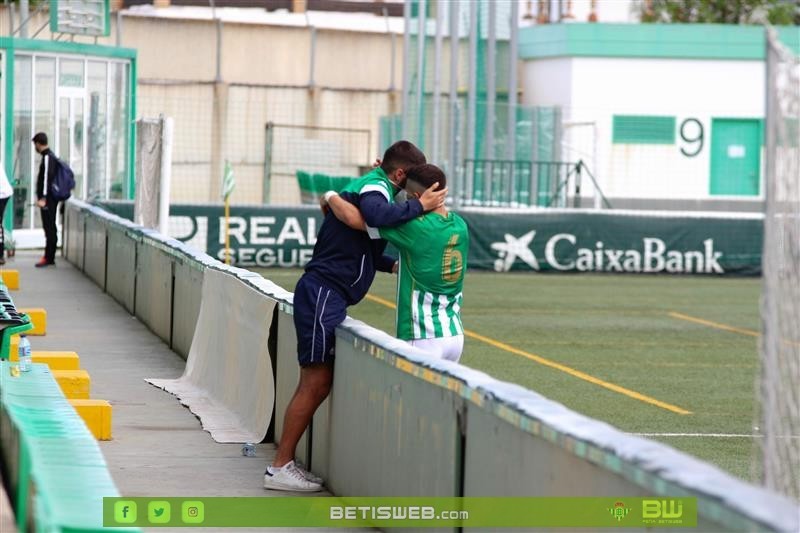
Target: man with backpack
[[53, 185]]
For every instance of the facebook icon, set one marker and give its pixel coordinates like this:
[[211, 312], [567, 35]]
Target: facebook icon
[[125, 512]]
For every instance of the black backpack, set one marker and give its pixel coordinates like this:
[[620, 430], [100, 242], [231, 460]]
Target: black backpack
[[63, 181]]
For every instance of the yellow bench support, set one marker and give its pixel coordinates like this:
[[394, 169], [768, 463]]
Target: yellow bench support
[[97, 416], [38, 318], [75, 384], [13, 351], [55, 360], [10, 278], [58, 360]]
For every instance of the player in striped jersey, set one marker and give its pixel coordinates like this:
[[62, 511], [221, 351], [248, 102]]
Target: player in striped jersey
[[433, 251]]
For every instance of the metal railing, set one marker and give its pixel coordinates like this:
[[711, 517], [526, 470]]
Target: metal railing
[[519, 183]]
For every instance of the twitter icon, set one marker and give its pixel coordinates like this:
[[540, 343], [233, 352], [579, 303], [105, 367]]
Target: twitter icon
[[158, 512]]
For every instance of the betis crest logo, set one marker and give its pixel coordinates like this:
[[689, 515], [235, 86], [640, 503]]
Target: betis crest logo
[[619, 511]]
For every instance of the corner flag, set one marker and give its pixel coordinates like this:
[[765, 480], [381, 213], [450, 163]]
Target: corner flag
[[228, 183]]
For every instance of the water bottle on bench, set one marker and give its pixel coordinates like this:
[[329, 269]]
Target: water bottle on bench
[[25, 361]]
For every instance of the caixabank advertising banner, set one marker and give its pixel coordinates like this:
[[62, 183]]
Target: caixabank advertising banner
[[557, 240], [609, 241]]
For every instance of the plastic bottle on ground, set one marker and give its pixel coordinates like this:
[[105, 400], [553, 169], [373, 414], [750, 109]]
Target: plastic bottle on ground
[[25, 361]]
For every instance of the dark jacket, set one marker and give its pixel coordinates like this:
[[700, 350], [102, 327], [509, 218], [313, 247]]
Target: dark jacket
[[346, 259], [48, 159]]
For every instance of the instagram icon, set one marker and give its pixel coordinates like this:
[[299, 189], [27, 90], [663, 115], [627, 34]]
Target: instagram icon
[[192, 512]]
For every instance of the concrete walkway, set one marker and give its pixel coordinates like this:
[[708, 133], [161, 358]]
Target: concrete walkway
[[158, 446]]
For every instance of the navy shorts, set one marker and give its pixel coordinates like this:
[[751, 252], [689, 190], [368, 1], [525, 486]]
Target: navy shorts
[[317, 311]]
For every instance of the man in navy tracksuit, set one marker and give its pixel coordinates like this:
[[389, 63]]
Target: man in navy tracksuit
[[44, 198], [339, 275]]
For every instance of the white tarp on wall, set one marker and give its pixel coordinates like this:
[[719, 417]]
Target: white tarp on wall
[[228, 380]]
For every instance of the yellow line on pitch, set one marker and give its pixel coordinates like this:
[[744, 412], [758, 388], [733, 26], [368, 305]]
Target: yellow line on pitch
[[558, 366], [717, 325], [381, 301]]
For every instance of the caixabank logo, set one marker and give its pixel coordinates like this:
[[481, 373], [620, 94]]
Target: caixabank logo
[[564, 252]]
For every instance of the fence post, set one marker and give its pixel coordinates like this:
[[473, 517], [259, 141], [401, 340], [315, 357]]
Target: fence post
[[576, 202], [268, 128], [457, 170], [96, 140], [167, 128], [453, 12]]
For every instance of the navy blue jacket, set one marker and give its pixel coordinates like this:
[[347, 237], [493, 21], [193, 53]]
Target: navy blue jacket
[[346, 259]]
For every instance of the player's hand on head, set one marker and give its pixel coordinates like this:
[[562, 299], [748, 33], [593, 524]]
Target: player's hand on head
[[432, 198], [377, 163]]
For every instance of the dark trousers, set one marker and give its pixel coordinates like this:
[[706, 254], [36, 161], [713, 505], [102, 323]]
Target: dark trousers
[[3, 202], [49, 213]]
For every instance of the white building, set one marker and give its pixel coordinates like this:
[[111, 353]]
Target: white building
[[664, 116]]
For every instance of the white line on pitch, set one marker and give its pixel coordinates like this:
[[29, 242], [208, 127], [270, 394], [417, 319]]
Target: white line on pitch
[[720, 435]]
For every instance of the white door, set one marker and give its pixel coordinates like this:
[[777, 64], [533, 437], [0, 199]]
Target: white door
[[70, 147]]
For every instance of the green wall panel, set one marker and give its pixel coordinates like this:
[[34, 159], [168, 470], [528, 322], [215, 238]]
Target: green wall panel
[[643, 129]]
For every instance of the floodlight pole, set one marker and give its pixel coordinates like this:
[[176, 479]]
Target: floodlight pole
[[393, 62], [437, 82], [472, 83], [511, 143], [491, 80], [118, 29], [406, 65], [218, 24], [10, 17], [422, 36], [454, 8], [312, 51], [24, 15]]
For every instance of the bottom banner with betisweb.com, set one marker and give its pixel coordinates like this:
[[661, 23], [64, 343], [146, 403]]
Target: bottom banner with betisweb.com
[[385, 512]]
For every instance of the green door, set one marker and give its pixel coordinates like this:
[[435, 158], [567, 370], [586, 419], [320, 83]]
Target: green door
[[735, 156]]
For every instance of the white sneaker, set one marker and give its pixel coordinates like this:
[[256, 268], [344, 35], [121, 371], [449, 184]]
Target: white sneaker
[[310, 476], [289, 478]]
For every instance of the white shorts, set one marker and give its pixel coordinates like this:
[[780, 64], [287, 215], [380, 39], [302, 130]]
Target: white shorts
[[449, 348]]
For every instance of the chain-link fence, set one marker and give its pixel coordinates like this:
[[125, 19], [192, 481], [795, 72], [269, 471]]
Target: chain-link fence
[[292, 150], [688, 160], [269, 135], [778, 392], [654, 150], [682, 159], [461, 106], [524, 156]]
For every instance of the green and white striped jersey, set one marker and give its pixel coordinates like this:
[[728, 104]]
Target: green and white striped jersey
[[433, 258], [375, 180]]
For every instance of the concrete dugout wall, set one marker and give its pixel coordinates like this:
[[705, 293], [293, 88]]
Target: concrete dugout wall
[[94, 251], [121, 264]]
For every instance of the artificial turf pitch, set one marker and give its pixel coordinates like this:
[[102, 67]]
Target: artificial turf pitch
[[688, 343]]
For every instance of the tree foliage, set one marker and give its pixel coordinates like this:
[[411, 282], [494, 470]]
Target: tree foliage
[[779, 12]]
